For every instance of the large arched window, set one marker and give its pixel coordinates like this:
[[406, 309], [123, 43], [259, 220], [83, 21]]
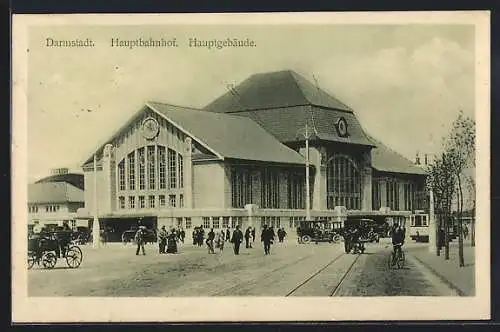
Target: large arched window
[[150, 177], [343, 183]]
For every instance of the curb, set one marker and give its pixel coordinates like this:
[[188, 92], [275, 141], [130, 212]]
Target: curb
[[443, 279]]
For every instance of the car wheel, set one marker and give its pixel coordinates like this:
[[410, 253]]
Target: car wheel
[[306, 239]]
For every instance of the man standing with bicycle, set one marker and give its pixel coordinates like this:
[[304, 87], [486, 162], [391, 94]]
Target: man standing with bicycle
[[398, 239]]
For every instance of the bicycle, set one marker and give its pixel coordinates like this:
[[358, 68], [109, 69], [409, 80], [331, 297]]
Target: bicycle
[[397, 257]]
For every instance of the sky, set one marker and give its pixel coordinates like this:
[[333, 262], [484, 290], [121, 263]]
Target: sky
[[406, 83]]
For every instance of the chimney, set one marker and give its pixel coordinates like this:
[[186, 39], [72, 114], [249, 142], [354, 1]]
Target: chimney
[[59, 171], [417, 159]]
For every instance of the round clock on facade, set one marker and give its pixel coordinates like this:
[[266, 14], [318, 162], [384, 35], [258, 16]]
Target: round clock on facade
[[342, 127], [150, 128]]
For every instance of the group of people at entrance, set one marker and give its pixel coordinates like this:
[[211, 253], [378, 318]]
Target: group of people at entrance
[[237, 238], [169, 240]]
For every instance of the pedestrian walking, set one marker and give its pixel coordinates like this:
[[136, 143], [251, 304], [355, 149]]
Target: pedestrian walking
[[236, 240], [220, 239], [299, 238], [201, 236], [139, 240], [267, 237], [248, 235], [182, 235], [228, 235], [466, 232], [162, 239], [172, 242], [210, 241], [253, 235], [281, 234]]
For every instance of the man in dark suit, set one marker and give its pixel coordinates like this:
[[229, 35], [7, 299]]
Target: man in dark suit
[[267, 237], [236, 240]]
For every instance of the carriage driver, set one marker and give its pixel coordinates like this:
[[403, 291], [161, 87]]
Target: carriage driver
[[38, 237]]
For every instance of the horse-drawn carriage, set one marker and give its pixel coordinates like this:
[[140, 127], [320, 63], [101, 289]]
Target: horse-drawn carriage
[[45, 248]]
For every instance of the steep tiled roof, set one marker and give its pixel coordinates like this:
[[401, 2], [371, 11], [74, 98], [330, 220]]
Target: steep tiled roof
[[385, 159], [54, 192], [230, 136], [283, 102], [285, 124], [72, 178], [272, 90]]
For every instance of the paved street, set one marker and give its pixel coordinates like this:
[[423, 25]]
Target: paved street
[[290, 270]]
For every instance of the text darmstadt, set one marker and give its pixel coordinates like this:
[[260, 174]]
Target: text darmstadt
[[51, 42]]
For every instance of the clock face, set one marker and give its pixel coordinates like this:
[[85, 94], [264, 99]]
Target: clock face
[[150, 128], [342, 127]]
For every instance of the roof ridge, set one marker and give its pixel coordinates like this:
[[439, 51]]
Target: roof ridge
[[215, 114], [320, 90], [175, 105], [294, 79]]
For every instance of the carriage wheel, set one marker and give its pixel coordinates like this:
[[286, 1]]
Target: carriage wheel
[[31, 260], [306, 239], [74, 257], [49, 260], [335, 238]]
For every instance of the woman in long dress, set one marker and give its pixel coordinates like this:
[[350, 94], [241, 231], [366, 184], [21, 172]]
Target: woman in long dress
[[172, 242]]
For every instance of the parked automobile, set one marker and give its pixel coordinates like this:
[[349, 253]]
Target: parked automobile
[[315, 231]]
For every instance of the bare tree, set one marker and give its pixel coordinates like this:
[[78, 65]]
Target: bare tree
[[460, 149], [442, 181], [471, 187]]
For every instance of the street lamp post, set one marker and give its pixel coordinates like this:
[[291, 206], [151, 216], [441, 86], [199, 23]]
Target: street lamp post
[[95, 224], [307, 135]]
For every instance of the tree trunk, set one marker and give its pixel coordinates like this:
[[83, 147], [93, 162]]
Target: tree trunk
[[446, 235], [438, 240], [460, 232], [473, 226]]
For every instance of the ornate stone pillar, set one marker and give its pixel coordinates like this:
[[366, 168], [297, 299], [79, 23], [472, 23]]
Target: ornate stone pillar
[[366, 182], [383, 192], [108, 187], [317, 156], [188, 173]]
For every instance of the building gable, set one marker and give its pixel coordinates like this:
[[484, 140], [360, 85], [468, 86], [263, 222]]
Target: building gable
[[131, 136]]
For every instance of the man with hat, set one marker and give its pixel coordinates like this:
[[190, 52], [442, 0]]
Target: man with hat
[[162, 239], [236, 239], [139, 239], [267, 237]]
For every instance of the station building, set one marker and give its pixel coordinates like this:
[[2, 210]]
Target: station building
[[55, 199], [241, 160]]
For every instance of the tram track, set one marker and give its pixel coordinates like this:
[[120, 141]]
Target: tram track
[[236, 287], [322, 269], [336, 289]]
